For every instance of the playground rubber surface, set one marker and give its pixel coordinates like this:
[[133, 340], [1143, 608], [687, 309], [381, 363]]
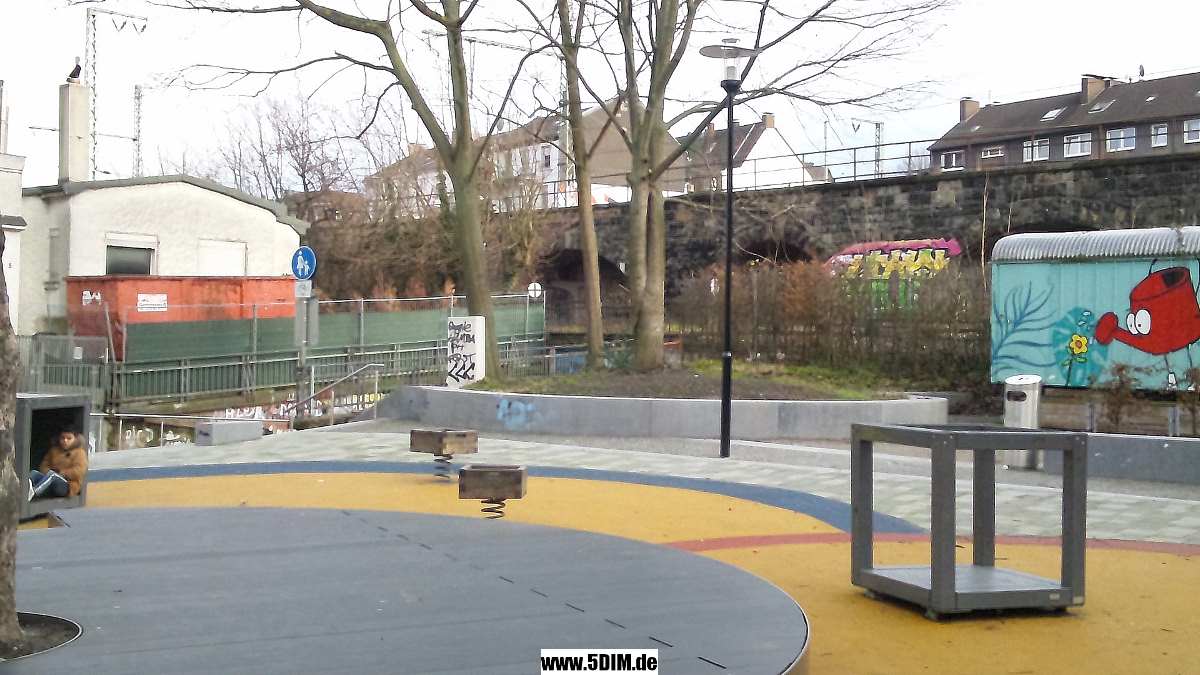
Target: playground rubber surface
[[1139, 614]]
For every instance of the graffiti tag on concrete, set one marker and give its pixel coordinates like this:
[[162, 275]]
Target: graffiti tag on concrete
[[514, 415]]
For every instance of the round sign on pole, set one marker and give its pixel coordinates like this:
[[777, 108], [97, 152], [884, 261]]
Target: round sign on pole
[[304, 263], [535, 290]]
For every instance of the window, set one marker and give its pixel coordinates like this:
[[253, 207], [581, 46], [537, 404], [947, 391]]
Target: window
[[1191, 131], [1077, 145], [128, 260], [1121, 139], [1158, 135], [1037, 150], [1102, 106], [952, 161], [1051, 114], [989, 153], [546, 157]]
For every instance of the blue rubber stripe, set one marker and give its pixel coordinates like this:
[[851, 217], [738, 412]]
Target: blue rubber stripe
[[829, 511]]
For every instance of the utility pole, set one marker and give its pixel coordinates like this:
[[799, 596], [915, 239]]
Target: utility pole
[[119, 21], [878, 142], [137, 131]]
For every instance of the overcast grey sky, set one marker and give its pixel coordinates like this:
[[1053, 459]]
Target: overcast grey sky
[[989, 49]]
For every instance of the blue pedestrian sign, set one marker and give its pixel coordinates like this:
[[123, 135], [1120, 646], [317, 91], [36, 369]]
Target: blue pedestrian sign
[[304, 263]]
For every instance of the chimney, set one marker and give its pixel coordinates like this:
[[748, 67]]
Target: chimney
[[415, 148], [967, 107], [74, 135], [1091, 86], [769, 120], [711, 130]]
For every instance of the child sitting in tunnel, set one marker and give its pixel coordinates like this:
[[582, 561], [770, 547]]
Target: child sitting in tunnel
[[63, 468]]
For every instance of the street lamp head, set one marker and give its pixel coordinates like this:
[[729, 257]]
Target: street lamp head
[[733, 58]]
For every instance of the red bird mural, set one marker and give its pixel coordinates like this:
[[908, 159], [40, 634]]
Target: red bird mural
[[1163, 316]]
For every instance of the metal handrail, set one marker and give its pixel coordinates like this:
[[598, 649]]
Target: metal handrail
[[295, 406], [141, 416]]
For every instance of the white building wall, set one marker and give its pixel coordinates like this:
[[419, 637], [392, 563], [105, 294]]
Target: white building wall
[[68, 236], [179, 216], [12, 274], [41, 218], [11, 167]]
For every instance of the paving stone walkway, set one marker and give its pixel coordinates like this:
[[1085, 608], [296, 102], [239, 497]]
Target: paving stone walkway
[[1030, 506]]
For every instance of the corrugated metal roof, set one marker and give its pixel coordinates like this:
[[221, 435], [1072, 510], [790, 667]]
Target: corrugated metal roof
[[1157, 242]]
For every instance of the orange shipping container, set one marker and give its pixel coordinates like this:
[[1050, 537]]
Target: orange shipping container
[[96, 305]]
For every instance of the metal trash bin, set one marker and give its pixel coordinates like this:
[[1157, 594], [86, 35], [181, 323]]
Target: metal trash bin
[[1022, 397]]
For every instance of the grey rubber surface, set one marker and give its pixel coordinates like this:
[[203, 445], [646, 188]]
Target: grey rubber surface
[[326, 591]]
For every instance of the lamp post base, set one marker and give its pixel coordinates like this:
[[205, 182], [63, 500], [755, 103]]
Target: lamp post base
[[726, 400]]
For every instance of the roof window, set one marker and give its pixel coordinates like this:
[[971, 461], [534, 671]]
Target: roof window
[[1151, 98], [1051, 114], [1102, 106], [975, 128]]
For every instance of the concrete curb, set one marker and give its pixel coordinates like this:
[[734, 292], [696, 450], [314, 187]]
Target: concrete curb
[[1155, 458], [649, 417]]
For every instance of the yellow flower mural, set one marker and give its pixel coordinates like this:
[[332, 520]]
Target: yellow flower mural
[[1079, 344]]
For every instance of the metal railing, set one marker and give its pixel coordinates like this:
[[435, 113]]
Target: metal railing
[[141, 430], [332, 390]]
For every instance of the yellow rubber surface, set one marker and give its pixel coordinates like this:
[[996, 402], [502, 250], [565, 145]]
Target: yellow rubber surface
[[1141, 616], [655, 514]]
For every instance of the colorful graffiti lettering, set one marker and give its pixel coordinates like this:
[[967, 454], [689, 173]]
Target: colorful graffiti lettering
[[884, 259], [894, 268]]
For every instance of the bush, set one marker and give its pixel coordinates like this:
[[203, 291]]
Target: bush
[[927, 331]]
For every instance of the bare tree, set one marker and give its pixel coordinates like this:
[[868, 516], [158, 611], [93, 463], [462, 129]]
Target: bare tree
[[10, 484], [563, 27], [653, 37], [458, 150]]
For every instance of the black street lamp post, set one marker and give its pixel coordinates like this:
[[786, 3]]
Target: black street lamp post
[[731, 56]]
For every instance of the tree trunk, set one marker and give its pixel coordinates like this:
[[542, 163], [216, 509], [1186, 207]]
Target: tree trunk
[[651, 323], [591, 269], [10, 485], [466, 192], [636, 245], [474, 266], [583, 181]]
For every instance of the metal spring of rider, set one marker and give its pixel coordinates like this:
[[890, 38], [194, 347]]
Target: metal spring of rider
[[441, 466], [494, 508]]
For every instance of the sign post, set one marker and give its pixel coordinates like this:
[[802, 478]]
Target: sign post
[[304, 266]]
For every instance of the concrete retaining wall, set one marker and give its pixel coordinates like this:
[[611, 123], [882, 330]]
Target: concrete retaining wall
[[1159, 458], [650, 417]]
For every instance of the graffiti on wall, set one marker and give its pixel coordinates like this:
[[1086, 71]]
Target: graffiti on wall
[[464, 350], [894, 268], [1070, 322]]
